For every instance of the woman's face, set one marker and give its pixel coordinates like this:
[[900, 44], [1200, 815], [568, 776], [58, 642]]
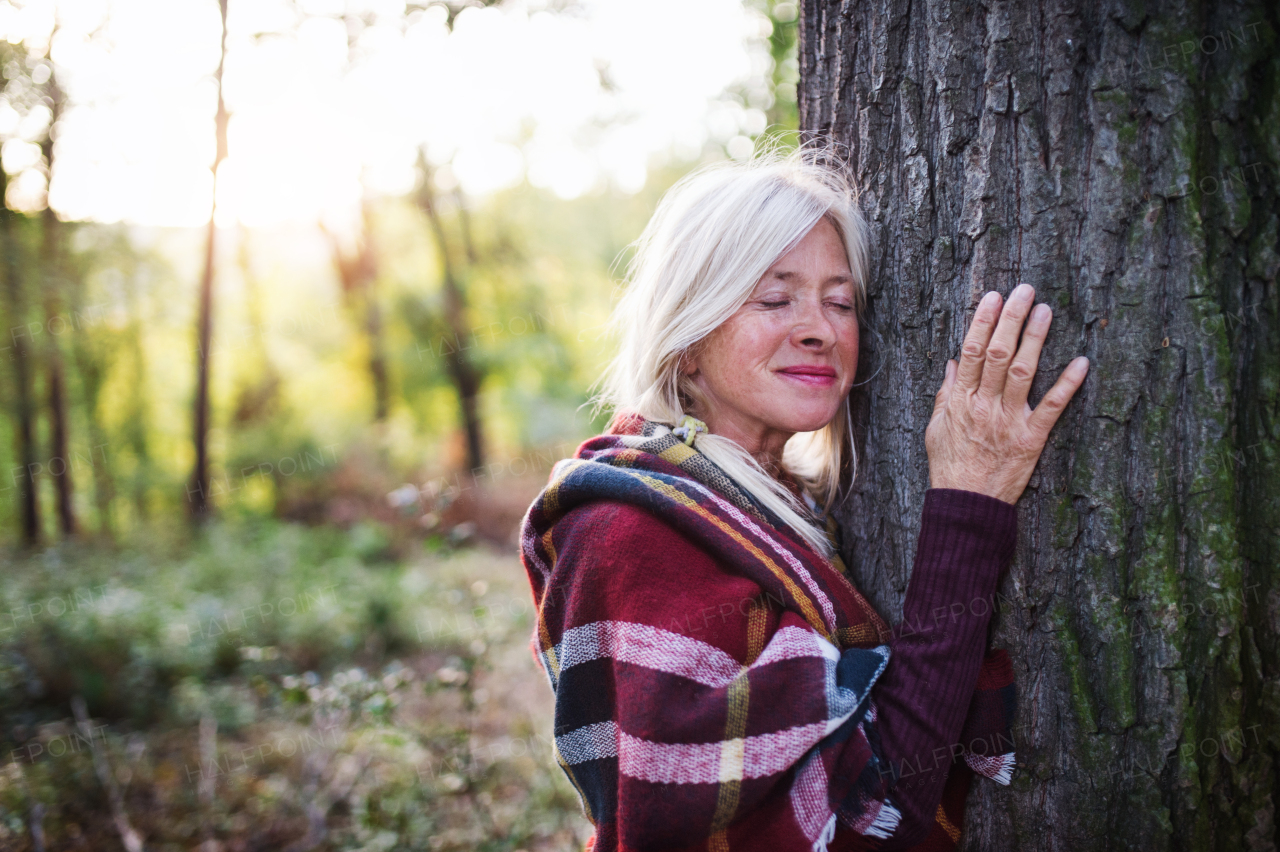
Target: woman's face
[[786, 359]]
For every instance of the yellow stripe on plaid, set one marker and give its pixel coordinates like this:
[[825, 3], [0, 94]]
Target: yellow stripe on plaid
[[548, 647], [627, 457], [807, 608], [678, 453], [757, 620], [859, 635], [544, 635], [549, 546], [951, 830], [732, 754], [550, 495], [733, 747]]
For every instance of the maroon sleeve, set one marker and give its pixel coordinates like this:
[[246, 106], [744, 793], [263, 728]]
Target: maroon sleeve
[[966, 541]]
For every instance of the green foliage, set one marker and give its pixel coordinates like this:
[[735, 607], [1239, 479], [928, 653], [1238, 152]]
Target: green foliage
[[308, 659]]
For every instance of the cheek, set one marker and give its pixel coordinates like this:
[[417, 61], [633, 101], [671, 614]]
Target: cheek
[[747, 341], [849, 346]]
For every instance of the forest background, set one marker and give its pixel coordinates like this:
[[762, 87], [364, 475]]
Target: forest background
[[262, 461]]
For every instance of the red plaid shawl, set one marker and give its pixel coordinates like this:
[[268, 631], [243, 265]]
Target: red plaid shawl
[[712, 673]]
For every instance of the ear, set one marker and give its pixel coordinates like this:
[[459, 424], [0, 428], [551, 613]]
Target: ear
[[689, 363]]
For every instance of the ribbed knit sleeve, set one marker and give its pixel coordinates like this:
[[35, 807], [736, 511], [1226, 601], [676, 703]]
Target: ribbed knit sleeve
[[966, 541]]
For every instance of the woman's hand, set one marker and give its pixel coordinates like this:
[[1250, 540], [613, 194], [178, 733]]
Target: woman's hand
[[983, 436]]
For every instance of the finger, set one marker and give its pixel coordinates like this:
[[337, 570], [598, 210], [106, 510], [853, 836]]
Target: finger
[[1047, 412], [948, 382], [1004, 342], [975, 342], [1024, 366]]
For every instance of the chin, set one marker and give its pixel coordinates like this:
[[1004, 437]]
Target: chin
[[807, 418], [808, 426]]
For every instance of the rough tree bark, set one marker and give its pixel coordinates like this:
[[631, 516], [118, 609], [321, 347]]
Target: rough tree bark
[[1122, 159]]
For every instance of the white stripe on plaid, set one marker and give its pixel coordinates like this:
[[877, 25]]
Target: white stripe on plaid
[[828, 611], [809, 797], [672, 653], [527, 542], [700, 763], [998, 768], [791, 642], [590, 742]]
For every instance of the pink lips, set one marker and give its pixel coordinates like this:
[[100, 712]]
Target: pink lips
[[814, 376]]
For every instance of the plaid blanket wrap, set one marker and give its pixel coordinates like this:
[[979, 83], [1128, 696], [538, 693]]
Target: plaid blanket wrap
[[722, 707]]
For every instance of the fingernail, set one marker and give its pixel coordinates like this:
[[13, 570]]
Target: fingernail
[[1041, 312], [1080, 365], [1023, 290], [990, 299]]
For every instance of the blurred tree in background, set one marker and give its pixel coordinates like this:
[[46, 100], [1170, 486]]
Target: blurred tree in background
[[198, 493]]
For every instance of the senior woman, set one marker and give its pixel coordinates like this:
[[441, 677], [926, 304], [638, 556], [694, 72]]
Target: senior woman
[[719, 682]]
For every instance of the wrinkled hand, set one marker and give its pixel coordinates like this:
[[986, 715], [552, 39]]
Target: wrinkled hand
[[983, 435]]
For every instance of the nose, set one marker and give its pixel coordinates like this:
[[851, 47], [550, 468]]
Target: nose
[[813, 328]]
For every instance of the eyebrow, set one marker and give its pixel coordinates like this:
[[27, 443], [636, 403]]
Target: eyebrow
[[834, 279]]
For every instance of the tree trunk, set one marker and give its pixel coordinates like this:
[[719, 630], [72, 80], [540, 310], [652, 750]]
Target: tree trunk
[[358, 276], [24, 414], [1124, 164], [466, 378], [60, 456], [138, 432], [377, 360], [92, 371], [198, 489]]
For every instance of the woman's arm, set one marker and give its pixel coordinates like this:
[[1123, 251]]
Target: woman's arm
[[983, 441], [966, 540]]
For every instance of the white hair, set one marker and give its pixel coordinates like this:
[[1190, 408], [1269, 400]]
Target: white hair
[[714, 235]]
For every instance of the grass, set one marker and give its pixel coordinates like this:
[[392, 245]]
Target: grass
[[275, 686]]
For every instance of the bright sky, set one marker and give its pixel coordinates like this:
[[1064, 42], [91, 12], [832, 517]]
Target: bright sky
[[512, 92]]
